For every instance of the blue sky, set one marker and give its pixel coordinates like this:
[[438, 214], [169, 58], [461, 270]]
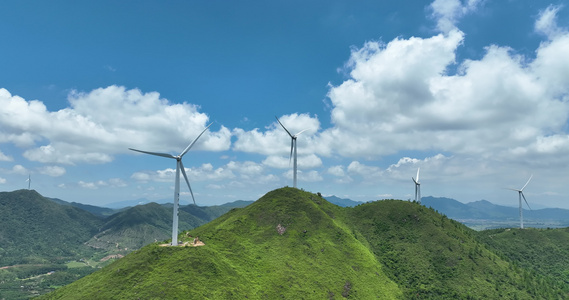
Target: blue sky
[[476, 93]]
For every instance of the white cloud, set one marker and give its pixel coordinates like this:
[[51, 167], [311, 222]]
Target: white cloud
[[53, 171], [310, 176], [88, 185], [4, 157], [112, 183], [248, 168], [201, 173], [547, 22], [303, 162], [448, 12], [355, 167], [140, 176], [102, 123], [337, 171], [400, 97], [2, 180], [117, 182], [20, 170], [275, 141]]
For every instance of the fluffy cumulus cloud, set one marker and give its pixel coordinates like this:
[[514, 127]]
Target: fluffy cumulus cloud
[[303, 162], [400, 96], [53, 171], [275, 140], [19, 170], [102, 123]]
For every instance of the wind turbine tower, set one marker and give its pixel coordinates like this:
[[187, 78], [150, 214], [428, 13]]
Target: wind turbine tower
[[520, 196], [292, 150], [417, 187], [29, 180], [179, 166]]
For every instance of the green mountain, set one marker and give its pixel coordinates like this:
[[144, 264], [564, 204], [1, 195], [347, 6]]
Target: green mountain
[[46, 242], [293, 244], [34, 229], [137, 226], [101, 212], [141, 225]]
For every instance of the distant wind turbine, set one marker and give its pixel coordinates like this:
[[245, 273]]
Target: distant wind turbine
[[417, 187], [521, 195], [292, 150], [29, 180], [179, 166]]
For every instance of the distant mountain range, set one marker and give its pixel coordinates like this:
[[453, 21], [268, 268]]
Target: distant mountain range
[[483, 209], [483, 214], [342, 201]]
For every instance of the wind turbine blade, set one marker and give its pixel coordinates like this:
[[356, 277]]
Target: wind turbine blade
[[525, 200], [300, 132], [284, 127], [195, 140], [419, 169], [512, 189], [415, 181], [154, 153], [526, 183], [187, 181], [291, 147]]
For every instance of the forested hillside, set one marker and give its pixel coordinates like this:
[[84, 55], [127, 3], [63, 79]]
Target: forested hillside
[[293, 244]]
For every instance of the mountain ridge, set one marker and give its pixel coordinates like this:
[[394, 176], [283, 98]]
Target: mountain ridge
[[294, 244]]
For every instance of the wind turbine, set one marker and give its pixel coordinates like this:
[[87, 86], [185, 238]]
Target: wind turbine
[[292, 147], [179, 166], [521, 195], [417, 187], [29, 180]]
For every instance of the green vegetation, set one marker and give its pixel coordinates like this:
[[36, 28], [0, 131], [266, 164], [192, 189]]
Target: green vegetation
[[35, 230], [48, 243], [295, 245], [432, 256], [540, 252]]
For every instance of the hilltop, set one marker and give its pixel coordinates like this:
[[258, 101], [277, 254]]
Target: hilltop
[[293, 244]]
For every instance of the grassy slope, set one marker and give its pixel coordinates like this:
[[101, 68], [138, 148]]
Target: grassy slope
[[384, 249], [317, 257]]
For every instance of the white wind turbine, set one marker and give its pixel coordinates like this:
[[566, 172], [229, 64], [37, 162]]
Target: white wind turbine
[[179, 166], [521, 195], [292, 150], [417, 187], [29, 180]]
